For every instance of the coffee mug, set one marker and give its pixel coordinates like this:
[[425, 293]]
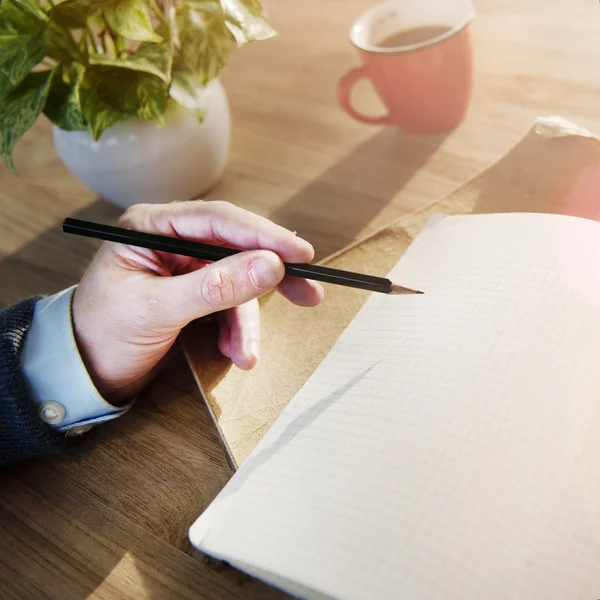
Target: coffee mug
[[418, 56]]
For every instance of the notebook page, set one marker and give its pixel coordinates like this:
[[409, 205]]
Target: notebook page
[[448, 445]]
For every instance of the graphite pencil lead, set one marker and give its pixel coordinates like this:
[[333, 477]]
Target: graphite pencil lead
[[399, 289]]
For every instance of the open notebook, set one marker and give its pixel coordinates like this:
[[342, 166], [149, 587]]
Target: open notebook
[[449, 444]]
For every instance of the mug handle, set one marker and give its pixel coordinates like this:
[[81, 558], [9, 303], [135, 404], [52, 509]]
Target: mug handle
[[344, 89]]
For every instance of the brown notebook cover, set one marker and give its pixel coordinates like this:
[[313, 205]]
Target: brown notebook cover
[[560, 174]]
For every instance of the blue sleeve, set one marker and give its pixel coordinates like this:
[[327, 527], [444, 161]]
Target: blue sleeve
[[65, 395]]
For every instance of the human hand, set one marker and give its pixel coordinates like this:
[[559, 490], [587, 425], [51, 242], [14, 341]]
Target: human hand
[[132, 302]]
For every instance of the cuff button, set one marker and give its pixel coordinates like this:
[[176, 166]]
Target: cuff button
[[78, 430], [52, 413]]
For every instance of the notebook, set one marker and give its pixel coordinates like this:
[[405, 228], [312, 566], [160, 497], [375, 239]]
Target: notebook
[[448, 445]]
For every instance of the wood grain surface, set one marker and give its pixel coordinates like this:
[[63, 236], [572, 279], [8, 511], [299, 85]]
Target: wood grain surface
[[109, 518]]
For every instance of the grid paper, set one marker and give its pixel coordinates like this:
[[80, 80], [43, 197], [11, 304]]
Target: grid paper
[[449, 444]]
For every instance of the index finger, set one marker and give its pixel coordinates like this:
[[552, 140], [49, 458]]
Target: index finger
[[219, 223]]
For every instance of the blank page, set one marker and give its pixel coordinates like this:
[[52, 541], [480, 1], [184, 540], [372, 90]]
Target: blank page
[[449, 444]]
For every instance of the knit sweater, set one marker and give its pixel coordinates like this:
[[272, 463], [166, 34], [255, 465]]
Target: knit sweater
[[22, 433]]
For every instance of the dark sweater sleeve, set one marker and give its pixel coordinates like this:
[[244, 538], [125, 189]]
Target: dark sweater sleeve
[[22, 433]]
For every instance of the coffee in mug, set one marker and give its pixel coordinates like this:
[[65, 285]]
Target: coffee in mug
[[416, 35], [418, 56]]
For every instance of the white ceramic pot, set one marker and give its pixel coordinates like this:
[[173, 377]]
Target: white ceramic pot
[[138, 161]]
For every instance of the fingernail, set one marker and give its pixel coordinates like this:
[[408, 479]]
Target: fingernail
[[263, 273]]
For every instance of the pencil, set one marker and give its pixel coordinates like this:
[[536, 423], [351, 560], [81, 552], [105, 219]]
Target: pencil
[[211, 253]]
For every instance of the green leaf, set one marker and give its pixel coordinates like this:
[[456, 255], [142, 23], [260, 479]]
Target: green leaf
[[172, 27], [156, 59], [188, 91], [131, 19], [22, 16], [148, 99], [26, 37], [255, 7], [13, 20], [205, 43], [31, 8], [20, 109], [245, 20], [19, 54], [137, 94], [6, 86], [74, 13], [208, 6], [97, 113], [63, 106], [71, 14], [110, 94], [59, 44]]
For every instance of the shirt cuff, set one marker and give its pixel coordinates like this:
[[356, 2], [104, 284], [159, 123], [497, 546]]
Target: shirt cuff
[[61, 387]]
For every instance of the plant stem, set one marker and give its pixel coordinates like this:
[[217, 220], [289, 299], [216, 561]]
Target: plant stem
[[105, 30], [90, 36], [159, 11], [111, 35], [120, 44]]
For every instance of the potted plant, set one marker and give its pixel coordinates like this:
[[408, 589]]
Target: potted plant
[[131, 87]]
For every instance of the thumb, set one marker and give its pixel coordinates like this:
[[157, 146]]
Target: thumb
[[221, 285]]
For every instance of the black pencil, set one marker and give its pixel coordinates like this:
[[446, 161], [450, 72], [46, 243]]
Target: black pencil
[[210, 253]]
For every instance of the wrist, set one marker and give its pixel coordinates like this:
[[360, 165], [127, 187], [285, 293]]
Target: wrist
[[59, 382], [88, 350]]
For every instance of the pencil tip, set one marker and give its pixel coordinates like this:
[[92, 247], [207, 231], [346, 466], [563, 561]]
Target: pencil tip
[[399, 289]]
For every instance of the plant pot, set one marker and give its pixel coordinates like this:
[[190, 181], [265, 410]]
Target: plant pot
[[139, 161]]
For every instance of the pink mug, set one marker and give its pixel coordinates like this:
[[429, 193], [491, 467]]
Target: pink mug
[[418, 56]]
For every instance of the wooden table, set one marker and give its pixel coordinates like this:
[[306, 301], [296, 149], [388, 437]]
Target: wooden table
[[109, 518]]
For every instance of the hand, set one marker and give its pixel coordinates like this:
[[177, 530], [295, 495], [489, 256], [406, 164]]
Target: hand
[[132, 302]]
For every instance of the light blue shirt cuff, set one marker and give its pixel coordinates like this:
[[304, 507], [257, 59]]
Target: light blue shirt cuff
[[60, 384]]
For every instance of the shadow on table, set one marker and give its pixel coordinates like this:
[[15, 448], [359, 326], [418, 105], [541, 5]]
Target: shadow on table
[[340, 203], [559, 175], [344, 199], [53, 260]]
